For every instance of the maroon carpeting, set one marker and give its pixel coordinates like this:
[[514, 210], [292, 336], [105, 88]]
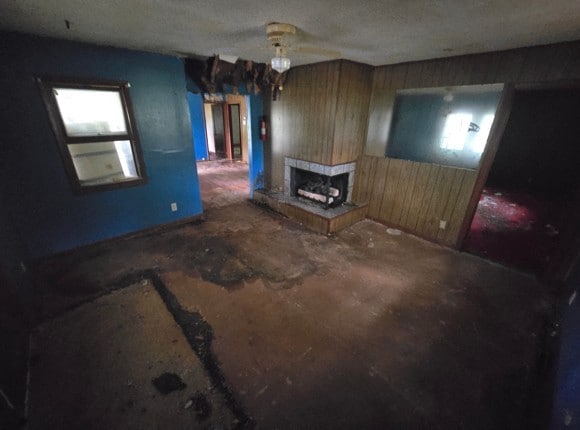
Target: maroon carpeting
[[515, 229]]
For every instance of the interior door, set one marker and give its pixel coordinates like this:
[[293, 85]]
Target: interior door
[[217, 111], [235, 131]]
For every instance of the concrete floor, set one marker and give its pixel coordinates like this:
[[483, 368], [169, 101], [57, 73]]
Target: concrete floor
[[282, 329]]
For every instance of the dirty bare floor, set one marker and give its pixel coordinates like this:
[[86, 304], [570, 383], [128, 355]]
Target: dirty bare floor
[[290, 329], [223, 182]]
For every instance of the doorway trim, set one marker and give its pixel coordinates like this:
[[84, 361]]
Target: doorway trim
[[499, 124], [241, 100]]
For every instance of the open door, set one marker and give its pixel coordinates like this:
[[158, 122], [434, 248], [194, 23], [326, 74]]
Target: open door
[[235, 131], [226, 129], [219, 135]]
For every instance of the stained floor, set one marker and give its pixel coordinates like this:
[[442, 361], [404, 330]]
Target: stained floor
[[223, 182], [291, 329], [517, 229]]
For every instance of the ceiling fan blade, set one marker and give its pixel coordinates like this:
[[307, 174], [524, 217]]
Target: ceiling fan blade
[[313, 50]]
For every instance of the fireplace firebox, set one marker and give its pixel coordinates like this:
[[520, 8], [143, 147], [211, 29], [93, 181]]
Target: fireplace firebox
[[318, 196], [330, 191], [329, 186]]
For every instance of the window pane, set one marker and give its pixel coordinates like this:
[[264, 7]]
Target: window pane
[[445, 125], [455, 131], [103, 162], [91, 112], [483, 134]]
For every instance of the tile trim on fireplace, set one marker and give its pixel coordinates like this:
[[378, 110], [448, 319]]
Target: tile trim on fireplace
[[320, 169]]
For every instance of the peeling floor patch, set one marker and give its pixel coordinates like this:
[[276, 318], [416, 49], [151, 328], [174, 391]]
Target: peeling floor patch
[[95, 365]]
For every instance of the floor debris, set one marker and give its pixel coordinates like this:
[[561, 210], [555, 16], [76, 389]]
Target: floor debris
[[201, 406], [359, 307], [168, 382]]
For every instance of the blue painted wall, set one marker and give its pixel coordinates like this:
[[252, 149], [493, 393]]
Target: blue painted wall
[[255, 145], [198, 126], [40, 201], [13, 254]]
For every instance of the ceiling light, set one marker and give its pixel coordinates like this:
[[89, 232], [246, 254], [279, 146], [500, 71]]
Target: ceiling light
[[280, 62]]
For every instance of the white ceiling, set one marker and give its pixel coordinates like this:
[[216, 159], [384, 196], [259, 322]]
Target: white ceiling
[[375, 32]]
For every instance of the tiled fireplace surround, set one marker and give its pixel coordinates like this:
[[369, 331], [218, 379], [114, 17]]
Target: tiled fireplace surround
[[313, 215], [321, 169]]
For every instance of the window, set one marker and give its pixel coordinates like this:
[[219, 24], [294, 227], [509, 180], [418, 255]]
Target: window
[[95, 130], [445, 125], [455, 131]]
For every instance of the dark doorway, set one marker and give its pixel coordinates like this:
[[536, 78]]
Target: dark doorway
[[525, 213]]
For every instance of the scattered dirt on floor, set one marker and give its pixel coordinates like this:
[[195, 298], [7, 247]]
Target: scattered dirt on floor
[[201, 406], [298, 330]]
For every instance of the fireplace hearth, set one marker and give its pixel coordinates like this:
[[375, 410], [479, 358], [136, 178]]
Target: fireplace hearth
[[317, 196]]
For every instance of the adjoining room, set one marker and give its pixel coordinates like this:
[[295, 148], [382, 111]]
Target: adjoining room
[[526, 211]]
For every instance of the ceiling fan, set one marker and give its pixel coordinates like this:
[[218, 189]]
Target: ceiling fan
[[279, 34]]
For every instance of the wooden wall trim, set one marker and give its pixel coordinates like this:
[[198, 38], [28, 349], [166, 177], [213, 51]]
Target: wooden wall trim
[[499, 124]]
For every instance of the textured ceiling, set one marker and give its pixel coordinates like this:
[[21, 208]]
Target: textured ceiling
[[375, 32]]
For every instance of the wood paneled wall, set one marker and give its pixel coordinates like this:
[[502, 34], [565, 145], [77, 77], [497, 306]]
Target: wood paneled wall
[[321, 115], [352, 107], [416, 196]]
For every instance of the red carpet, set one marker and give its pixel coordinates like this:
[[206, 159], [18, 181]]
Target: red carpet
[[515, 229]]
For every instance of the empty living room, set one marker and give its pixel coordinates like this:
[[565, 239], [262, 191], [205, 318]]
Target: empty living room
[[289, 215]]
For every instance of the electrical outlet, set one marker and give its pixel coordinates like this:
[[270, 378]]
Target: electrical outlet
[[173, 207], [442, 224]]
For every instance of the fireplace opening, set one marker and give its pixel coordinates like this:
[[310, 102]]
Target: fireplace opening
[[329, 191]]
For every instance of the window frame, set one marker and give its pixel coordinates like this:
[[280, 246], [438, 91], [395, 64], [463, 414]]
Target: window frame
[[47, 84]]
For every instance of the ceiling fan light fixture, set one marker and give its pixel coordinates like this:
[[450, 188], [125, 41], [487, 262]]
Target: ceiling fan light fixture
[[280, 64], [276, 32]]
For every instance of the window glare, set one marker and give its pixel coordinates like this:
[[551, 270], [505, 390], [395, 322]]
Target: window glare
[[90, 112], [455, 131], [125, 155], [483, 134], [103, 162]]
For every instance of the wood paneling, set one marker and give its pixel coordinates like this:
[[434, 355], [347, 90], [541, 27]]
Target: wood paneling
[[417, 196], [352, 106], [321, 115], [302, 120]]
